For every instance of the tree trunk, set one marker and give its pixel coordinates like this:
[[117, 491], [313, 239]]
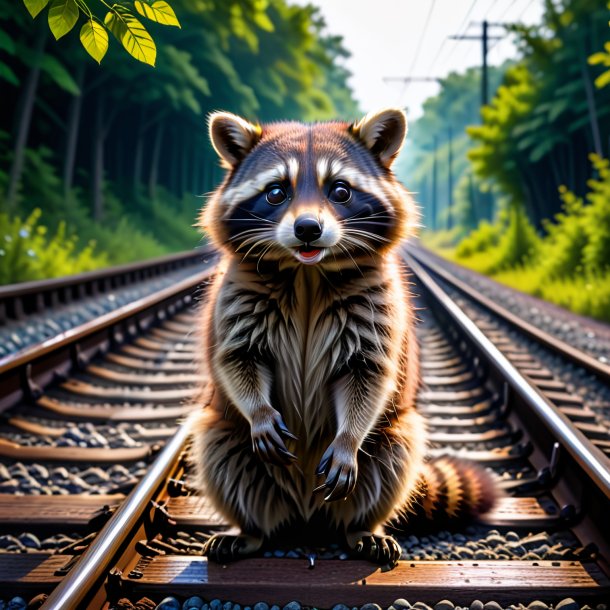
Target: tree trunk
[[154, 164], [98, 159], [597, 141], [26, 104], [185, 158], [172, 179], [76, 104], [139, 156]]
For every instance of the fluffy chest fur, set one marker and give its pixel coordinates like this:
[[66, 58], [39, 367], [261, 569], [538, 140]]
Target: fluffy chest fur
[[305, 328]]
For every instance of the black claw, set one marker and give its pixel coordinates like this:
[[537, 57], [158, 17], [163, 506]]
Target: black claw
[[324, 463], [281, 426], [291, 457], [383, 550], [223, 548]]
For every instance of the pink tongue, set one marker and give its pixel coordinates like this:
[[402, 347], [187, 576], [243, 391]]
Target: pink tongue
[[309, 253]]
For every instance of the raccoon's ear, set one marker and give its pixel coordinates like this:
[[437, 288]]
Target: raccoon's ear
[[383, 133], [232, 137]]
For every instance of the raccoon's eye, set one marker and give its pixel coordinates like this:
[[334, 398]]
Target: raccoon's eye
[[276, 194], [340, 192]]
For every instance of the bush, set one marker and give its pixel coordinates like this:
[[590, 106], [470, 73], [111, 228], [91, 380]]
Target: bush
[[569, 266], [28, 253], [483, 238], [517, 244]]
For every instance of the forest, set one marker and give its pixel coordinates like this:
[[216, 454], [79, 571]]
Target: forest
[[530, 205], [108, 163], [104, 158]]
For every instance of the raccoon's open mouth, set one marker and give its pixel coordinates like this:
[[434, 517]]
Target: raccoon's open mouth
[[309, 255]]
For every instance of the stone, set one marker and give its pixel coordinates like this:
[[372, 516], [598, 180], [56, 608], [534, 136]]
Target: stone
[[492, 605], [259, 606], [401, 604], [193, 603], [17, 603], [567, 604], [340, 607], [537, 605], [169, 603], [292, 606], [29, 540], [444, 604], [370, 607]]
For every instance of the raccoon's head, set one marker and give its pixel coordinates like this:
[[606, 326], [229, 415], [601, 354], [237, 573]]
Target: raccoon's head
[[309, 194]]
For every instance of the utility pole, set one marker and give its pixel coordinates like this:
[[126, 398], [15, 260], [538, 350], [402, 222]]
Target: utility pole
[[434, 209], [450, 185], [484, 37]]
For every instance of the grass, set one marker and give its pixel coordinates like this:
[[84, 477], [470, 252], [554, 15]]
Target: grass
[[588, 295]]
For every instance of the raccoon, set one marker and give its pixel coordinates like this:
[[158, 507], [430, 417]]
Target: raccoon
[[309, 431]]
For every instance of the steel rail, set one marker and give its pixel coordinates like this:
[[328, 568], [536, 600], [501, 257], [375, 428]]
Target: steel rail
[[578, 357], [73, 335], [100, 556], [589, 458], [40, 286]]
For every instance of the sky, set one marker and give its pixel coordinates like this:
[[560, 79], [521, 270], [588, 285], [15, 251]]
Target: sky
[[390, 38]]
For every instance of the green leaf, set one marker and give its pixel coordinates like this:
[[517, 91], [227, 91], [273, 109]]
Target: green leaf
[[63, 15], [6, 43], [262, 21], [159, 11], [132, 35], [35, 6], [55, 69], [7, 74], [603, 79], [95, 39], [598, 58]]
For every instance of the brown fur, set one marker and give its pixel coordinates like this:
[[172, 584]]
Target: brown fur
[[313, 368]]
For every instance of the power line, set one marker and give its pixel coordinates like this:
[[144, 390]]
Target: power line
[[510, 5], [460, 29], [421, 39]]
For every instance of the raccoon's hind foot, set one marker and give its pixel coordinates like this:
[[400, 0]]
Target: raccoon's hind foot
[[379, 549], [224, 548]]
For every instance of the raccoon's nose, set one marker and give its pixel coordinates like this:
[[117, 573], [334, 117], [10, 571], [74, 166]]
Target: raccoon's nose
[[307, 228]]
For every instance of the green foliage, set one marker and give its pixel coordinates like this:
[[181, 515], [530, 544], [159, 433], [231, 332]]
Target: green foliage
[[603, 58], [266, 60], [28, 252], [124, 25], [95, 39], [570, 265], [485, 237], [596, 253], [547, 116], [456, 107], [130, 32]]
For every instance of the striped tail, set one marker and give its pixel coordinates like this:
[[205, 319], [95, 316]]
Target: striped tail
[[451, 489]]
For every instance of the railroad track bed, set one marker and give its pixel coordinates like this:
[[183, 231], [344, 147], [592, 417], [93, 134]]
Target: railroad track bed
[[80, 426], [585, 334], [544, 546], [582, 394], [32, 312], [526, 543]]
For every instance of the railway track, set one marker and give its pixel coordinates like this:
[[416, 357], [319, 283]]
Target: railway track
[[139, 537]]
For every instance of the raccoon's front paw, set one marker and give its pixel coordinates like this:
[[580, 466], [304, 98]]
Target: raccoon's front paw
[[268, 428], [339, 466], [383, 550], [223, 548]]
